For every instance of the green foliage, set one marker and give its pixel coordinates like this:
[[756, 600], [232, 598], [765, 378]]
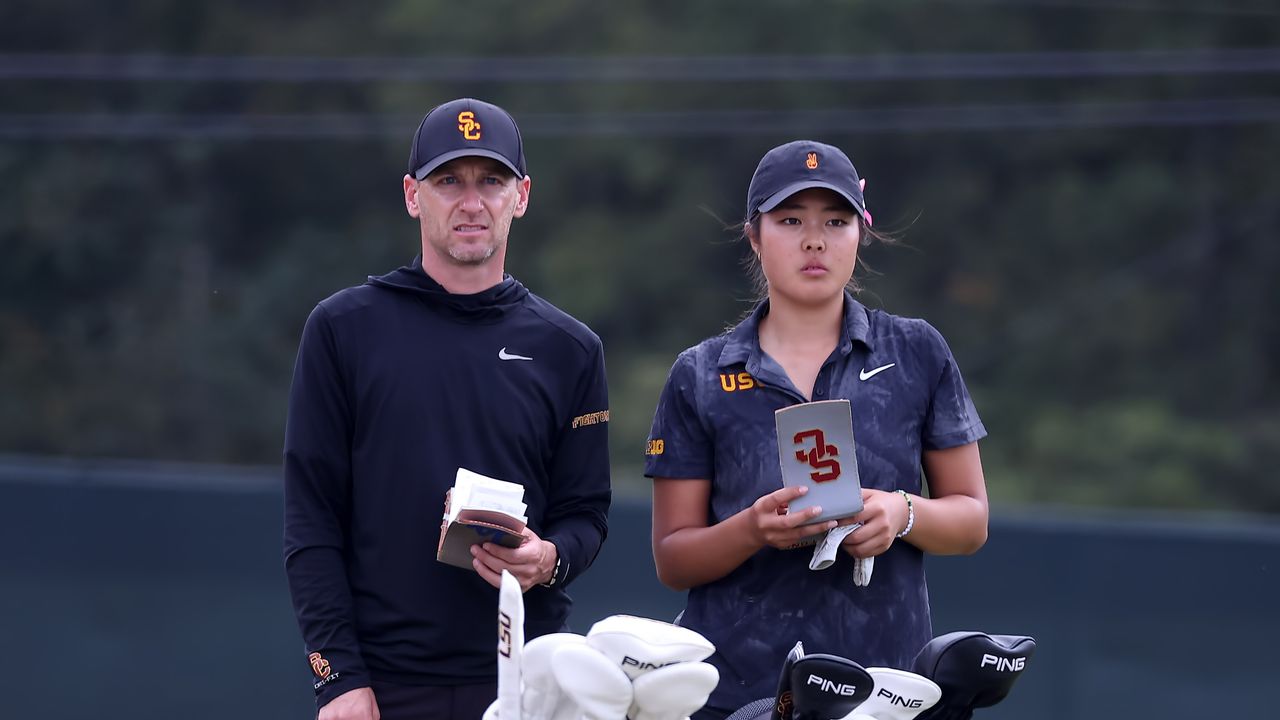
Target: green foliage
[[1138, 453], [1108, 287]]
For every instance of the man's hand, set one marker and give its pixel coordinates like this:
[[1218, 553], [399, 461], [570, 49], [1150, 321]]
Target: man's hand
[[883, 516], [531, 563], [355, 704]]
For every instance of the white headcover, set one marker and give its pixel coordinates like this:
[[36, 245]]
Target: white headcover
[[593, 681], [672, 692], [639, 645], [543, 699], [898, 695], [510, 646]]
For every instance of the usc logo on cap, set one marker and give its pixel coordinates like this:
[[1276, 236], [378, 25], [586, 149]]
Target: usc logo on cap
[[468, 126], [811, 161], [319, 665]]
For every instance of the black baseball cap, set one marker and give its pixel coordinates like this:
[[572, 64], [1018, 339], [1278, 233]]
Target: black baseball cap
[[800, 165], [464, 128]]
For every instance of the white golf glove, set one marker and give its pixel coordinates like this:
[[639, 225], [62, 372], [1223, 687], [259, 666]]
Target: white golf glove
[[824, 554]]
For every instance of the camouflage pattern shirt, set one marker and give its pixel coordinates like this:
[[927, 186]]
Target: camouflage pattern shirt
[[714, 421]]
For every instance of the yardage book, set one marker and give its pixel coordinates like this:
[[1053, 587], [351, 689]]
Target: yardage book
[[479, 509], [815, 447]]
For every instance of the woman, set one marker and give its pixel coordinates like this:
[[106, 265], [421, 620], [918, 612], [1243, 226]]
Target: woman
[[720, 526]]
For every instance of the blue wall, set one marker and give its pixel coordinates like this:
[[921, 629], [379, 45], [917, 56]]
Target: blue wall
[[162, 597]]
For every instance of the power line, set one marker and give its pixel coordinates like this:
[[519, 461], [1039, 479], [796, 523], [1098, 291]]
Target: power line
[[355, 126], [1160, 6], [665, 68]]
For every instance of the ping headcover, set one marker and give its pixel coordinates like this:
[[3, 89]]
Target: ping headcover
[[761, 709], [672, 692], [510, 645], [827, 686], [541, 697], [595, 682], [973, 669], [638, 645], [897, 695], [782, 705]]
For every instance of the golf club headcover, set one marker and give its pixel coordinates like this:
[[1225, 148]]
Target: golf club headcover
[[596, 683], [541, 697], [761, 709], [973, 669], [491, 712], [827, 686], [782, 705], [672, 692], [897, 695], [510, 645], [639, 645]]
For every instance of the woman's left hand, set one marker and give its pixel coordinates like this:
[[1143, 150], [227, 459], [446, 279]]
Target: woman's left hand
[[883, 516]]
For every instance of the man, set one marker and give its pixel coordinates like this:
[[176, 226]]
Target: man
[[445, 363]]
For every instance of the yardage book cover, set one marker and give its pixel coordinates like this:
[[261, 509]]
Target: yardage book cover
[[815, 447], [479, 509]]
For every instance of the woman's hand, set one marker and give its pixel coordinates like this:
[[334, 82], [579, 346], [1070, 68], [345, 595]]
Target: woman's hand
[[883, 516], [772, 525]]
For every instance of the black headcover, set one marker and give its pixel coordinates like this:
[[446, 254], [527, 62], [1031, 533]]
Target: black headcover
[[973, 669], [824, 686], [782, 701]]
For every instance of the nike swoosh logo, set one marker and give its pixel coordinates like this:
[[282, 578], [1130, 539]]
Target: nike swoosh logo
[[865, 374], [504, 355]]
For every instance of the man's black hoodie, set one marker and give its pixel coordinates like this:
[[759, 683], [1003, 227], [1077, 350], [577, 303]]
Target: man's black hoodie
[[397, 384]]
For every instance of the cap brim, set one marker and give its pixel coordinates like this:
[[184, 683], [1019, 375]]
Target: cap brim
[[439, 160], [776, 199]]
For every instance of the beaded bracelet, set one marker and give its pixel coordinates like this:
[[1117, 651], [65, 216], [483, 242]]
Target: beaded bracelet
[[911, 514]]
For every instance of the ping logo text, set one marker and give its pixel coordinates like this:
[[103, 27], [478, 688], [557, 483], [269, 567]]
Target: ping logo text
[[628, 661], [831, 686], [899, 700], [1004, 664]]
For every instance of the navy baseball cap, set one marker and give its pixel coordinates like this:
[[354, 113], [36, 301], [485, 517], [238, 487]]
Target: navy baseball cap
[[466, 128], [800, 165]]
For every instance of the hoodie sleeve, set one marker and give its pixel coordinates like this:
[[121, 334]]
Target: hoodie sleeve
[[317, 491], [578, 501]]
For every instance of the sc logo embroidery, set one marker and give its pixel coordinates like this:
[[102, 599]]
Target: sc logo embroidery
[[468, 126], [825, 468], [319, 665]]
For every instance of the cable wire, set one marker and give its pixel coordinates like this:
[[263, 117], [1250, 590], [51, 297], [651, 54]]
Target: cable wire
[[356, 126], [743, 68]]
